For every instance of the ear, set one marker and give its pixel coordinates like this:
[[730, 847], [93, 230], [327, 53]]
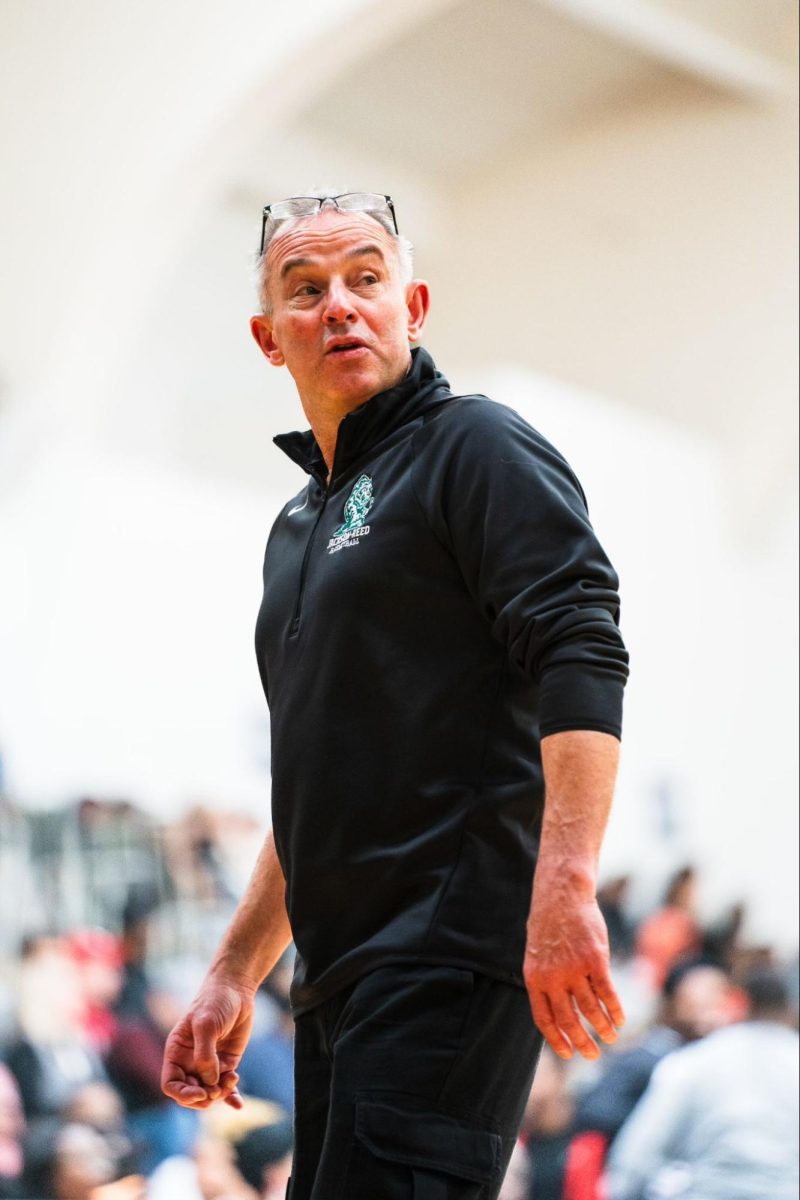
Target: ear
[[418, 301], [261, 329]]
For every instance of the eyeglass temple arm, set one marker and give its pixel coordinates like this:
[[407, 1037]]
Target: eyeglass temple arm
[[264, 219]]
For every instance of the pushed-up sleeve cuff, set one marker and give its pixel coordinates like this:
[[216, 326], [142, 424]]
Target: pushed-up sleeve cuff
[[578, 696]]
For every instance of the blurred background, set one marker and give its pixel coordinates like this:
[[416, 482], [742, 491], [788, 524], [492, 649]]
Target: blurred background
[[603, 196]]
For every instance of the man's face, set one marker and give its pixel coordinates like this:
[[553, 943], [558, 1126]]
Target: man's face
[[702, 1002], [341, 317]]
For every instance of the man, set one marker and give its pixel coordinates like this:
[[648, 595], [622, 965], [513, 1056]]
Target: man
[[435, 601], [719, 1120], [696, 999]]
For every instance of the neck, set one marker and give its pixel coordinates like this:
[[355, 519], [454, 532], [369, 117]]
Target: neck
[[325, 418], [325, 433]]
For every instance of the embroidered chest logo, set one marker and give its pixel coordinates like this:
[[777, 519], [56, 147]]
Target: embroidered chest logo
[[356, 507]]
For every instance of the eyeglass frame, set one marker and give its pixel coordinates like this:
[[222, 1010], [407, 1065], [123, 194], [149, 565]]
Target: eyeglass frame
[[265, 216]]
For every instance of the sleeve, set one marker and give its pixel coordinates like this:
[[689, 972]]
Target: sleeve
[[512, 513]]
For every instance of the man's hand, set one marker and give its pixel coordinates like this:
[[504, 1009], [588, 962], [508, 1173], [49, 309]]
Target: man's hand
[[567, 970], [204, 1049], [566, 958]]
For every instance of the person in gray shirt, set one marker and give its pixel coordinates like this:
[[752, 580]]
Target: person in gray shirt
[[719, 1120]]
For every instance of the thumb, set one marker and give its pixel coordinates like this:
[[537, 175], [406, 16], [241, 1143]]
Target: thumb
[[205, 1050]]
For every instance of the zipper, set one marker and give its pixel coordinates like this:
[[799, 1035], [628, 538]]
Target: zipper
[[326, 490], [295, 626]]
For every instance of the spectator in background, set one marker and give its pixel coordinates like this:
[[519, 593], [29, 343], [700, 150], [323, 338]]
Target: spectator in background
[[264, 1158], [136, 917], [719, 1120], [722, 943], [229, 1158], [696, 999], [612, 899], [672, 932], [143, 1015], [132, 1187], [159, 1129], [70, 1164], [98, 958], [267, 1066], [792, 979], [196, 859], [546, 1129], [207, 863], [50, 1056], [12, 1130], [100, 1106], [78, 1149], [208, 1173]]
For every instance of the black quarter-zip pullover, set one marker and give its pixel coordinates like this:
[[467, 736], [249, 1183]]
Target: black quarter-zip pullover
[[427, 616]]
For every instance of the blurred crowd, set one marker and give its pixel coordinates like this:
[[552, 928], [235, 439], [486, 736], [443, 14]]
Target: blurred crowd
[[82, 1116], [698, 1099]]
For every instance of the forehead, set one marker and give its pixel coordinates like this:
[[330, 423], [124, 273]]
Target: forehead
[[327, 236]]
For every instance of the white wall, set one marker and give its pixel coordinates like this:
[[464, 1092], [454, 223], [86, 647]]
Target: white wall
[[709, 764], [126, 644]]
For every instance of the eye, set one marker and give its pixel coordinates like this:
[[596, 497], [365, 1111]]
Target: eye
[[305, 291], [369, 277]]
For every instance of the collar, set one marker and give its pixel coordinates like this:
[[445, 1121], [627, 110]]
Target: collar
[[421, 388]]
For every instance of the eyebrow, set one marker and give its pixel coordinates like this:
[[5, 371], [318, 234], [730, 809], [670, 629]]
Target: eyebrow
[[356, 252]]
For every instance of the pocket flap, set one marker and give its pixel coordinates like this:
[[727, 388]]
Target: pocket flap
[[421, 1138]]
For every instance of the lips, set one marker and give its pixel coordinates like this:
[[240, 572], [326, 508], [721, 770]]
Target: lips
[[342, 345]]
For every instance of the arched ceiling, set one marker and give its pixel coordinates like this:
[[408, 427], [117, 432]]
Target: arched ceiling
[[621, 173]]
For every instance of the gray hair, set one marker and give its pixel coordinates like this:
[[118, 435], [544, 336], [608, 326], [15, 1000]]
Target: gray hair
[[405, 251]]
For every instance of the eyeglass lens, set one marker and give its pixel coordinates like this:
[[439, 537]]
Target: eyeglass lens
[[307, 206]]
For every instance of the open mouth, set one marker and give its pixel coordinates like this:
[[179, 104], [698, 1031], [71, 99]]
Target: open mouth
[[346, 347]]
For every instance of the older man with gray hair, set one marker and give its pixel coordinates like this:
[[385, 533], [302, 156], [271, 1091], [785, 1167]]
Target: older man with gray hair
[[439, 647]]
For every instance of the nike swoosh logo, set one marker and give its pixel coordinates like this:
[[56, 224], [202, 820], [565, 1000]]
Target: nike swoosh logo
[[297, 507]]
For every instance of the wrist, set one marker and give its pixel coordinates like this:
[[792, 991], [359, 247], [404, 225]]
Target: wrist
[[228, 969], [573, 877]]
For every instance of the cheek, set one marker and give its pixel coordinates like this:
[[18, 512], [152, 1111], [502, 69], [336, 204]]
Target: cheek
[[391, 323], [295, 336]]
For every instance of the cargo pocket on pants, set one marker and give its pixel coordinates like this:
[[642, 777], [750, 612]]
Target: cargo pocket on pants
[[438, 1149]]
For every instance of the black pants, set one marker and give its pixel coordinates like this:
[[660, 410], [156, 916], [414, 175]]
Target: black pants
[[410, 1084]]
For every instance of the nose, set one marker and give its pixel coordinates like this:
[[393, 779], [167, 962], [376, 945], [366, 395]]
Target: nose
[[338, 307]]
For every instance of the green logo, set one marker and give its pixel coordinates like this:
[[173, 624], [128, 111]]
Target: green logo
[[357, 505]]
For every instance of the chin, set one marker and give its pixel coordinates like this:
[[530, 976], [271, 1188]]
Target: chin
[[358, 386]]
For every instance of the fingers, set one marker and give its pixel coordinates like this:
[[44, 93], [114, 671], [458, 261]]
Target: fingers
[[558, 1011], [227, 1087], [590, 1007], [548, 1026], [192, 1073], [190, 1092], [187, 1092], [206, 1062], [606, 994], [570, 1025], [177, 1082]]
